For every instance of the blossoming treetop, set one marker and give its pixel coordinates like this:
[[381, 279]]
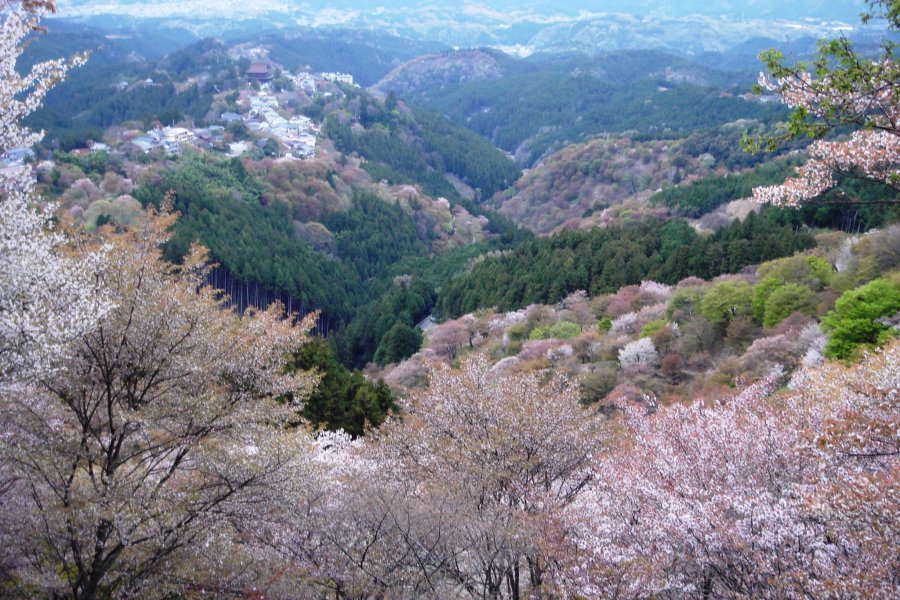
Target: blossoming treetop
[[840, 88]]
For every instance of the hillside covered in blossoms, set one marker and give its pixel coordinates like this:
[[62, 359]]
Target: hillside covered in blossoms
[[311, 309]]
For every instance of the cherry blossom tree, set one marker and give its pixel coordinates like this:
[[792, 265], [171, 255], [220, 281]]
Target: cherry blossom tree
[[762, 495], [639, 353], [842, 88], [46, 297], [848, 419], [448, 338], [671, 519], [461, 497], [158, 436], [527, 453]]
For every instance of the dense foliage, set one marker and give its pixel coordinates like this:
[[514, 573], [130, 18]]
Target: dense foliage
[[862, 318], [573, 187], [695, 340], [724, 143], [603, 260], [403, 305], [466, 154], [342, 399], [852, 204], [353, 287], [704, 195], [372, 236], [221, 210]]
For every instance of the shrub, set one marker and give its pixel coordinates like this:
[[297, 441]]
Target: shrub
[[785, 300], [652, 327], [806, 269], [671, 365], [684, 303], [726, 301], [518, 332], [761, 292], [626, 323], [563, 330], [741, 332], [400, 342], [853, 323], [596, 385]]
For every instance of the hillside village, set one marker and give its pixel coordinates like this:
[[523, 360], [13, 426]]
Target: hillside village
[[259, 123]]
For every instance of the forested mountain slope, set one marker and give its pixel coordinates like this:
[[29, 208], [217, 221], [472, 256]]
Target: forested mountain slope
[[407, 146], [546, 270], [541, 103]]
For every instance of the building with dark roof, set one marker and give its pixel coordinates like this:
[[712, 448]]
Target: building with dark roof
[[260, 72]]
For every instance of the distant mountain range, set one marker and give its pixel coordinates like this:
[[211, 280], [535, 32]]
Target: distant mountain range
[[509, 10], [687, 26]]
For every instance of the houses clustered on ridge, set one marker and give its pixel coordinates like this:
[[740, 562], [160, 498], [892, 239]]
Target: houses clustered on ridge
[[261, 114], [294, 136]]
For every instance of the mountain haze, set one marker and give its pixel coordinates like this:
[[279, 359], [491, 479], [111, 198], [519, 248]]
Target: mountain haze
[[524, 27]]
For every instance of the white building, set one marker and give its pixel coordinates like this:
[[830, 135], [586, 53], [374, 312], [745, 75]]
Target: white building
[[338, 78], [177, 135]]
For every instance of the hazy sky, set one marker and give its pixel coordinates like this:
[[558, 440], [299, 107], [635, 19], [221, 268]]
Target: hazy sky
[[818, 9]]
